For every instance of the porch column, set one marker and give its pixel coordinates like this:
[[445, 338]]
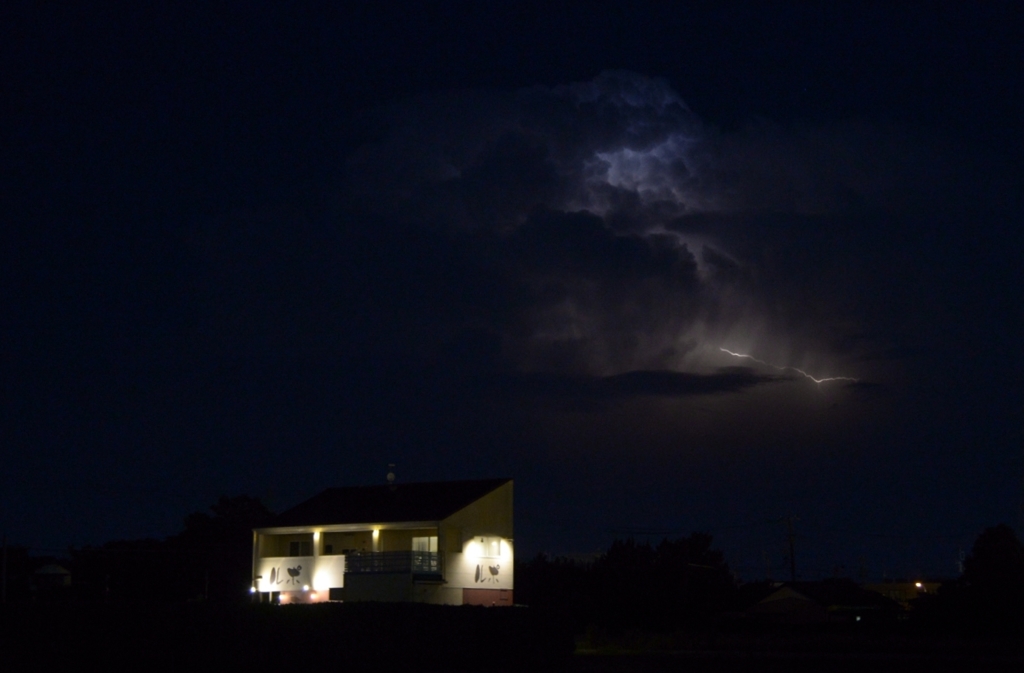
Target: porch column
[[317, 543], [255, 564]]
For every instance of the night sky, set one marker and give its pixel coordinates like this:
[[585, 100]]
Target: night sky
[[268, 250]]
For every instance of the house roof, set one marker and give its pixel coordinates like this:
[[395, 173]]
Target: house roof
[[388, 503], [834, 593]]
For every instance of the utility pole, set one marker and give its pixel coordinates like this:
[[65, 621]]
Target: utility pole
[[3, 582], [792, 548]]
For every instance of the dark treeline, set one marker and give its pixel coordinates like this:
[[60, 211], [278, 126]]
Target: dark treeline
[[988, 596], [685, 584], [635, 585], [210, 559], [674, 584]]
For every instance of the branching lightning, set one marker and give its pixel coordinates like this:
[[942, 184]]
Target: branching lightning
[[781, 369]]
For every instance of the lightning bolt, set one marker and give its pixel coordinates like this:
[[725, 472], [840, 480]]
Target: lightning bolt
[[782, 369]]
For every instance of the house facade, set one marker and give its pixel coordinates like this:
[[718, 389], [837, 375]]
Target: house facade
[[438, 542]]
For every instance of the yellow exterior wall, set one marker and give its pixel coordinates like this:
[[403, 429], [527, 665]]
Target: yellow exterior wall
[[401, 540], [277, 545], [358, 540], [490, 516]]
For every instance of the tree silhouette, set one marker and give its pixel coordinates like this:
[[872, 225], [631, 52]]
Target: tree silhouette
[[679, 582], [210, 559], [990, 593], [993, 579], [216, 551]]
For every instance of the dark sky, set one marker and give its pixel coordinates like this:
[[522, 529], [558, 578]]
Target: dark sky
[[268, 250]]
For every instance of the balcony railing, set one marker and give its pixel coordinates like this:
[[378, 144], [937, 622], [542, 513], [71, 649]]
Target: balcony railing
[[415, 562]]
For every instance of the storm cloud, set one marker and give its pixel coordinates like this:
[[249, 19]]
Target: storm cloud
[[622, 233]]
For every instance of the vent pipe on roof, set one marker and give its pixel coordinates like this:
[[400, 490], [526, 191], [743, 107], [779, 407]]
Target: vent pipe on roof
[[391, 473]]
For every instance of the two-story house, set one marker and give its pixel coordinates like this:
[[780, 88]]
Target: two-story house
[[440, 542]]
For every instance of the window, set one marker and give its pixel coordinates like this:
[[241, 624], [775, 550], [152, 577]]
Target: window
[[425, 543], [300, 548], [424, 554]]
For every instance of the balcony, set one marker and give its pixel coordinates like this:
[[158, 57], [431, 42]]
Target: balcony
[[406, 562]]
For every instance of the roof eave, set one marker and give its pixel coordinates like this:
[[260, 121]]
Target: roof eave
[[345, 527]]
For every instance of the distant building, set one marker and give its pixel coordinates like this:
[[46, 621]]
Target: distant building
[[904, 592], [825, 601], [440, 542], [51, 577]]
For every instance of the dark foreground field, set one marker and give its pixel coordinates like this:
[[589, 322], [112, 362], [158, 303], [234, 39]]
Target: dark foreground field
[[371, 636], [265, 637], [812, 651]]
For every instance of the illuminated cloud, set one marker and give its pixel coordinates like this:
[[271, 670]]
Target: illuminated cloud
[[624, 233], [824, 379]]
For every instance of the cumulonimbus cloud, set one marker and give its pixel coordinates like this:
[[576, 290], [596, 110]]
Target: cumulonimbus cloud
[[630, 234]]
